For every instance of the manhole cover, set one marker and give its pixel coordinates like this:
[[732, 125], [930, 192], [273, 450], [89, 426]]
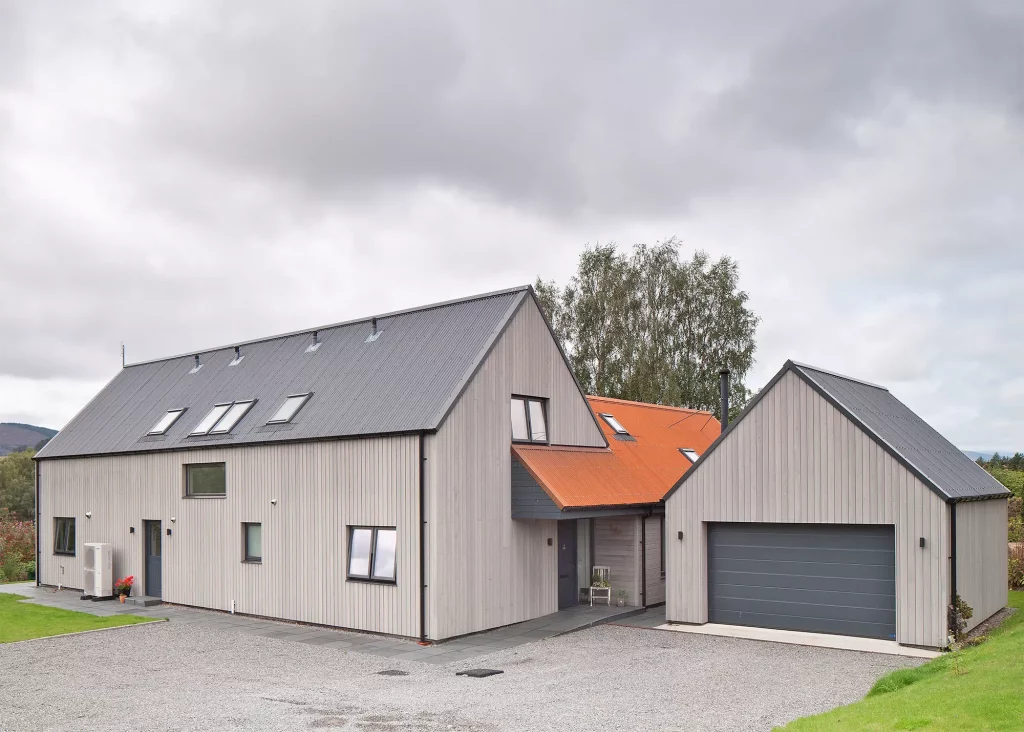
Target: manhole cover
[[392, 672], [479, 673]]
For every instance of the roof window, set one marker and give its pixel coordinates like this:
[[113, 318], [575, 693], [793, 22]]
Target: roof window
[[166, 422], [690, 453], [614, 424], [292, 404], [222, 418]]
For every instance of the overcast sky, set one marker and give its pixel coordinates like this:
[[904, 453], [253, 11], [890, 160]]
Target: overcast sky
[[179, 176]]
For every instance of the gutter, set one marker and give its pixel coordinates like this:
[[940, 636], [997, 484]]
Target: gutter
[[423, 540]]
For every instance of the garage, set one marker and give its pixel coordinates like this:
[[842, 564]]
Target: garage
[[829, 506], [810, 577]]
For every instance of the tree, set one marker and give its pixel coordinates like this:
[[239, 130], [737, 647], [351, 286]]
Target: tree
[[17, 484], [650, 327]]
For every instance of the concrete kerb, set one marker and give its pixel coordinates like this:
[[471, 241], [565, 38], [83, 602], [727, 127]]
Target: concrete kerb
[[154, 621]]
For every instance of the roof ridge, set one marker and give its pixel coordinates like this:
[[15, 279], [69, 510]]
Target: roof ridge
[[342, 324], [668, 407], [838, 376]]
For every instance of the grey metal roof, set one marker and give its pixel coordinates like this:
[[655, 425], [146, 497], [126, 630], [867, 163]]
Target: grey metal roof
[[890, 422], [406, 380]]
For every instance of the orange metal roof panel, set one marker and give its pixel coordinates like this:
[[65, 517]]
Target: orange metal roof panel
[[629, 472]]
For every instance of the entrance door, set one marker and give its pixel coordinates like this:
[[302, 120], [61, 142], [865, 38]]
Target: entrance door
[[153, 567], [568, 586]]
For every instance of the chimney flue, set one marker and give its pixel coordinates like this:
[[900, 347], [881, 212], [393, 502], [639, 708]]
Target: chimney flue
[[724, 374]]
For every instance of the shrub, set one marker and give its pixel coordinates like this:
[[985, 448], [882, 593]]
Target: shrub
[[1015, 567], [959, 613], [17, 547]]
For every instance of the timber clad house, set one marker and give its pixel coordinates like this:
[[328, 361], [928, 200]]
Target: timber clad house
[[438, 471], [365, 475]]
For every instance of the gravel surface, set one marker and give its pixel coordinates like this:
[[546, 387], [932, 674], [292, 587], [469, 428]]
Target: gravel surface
[[177, 677]]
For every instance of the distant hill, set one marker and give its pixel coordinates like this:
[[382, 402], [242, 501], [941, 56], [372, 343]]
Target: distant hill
[[15, 436], [973, 455]]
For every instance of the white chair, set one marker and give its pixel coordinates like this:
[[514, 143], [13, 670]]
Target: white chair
[[601, 575]]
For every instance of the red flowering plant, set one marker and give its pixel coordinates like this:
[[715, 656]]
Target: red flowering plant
[[124, 586]]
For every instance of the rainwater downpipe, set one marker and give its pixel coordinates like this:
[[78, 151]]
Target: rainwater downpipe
[[952, 552], [423, 539]]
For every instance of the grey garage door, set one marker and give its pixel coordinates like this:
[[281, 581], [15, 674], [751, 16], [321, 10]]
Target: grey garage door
[[821, 578]]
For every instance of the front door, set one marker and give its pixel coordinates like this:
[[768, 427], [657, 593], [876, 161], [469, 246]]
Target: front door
[[568, 586], [153, 568]]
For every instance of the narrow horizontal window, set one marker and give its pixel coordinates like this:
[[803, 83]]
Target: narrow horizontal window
[[289, 409], [689, 452], [372, 553], [64, 536], [204, 480], [615, 424], [252, 539], [166, 422], [231, 417], [529, 420]]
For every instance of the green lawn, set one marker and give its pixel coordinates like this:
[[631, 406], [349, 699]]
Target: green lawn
[[988, 696], [19, 621]]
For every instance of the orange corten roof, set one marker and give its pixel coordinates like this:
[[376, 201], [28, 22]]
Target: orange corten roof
[[629, 472]]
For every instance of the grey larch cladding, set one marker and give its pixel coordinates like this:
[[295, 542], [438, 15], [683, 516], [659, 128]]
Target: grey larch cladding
[[403, 381], [320, 488], [945, 465], [794, 457], [981, 556], [654, 576], [617, 546], [484, 569]]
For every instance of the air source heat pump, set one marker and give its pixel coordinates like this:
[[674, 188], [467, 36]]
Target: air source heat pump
[[98, 580]]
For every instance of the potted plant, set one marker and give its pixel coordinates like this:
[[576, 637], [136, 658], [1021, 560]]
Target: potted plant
[[123, 587], [620, 598]]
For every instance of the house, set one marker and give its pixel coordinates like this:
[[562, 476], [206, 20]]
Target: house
[[829, 506], [360, 475]]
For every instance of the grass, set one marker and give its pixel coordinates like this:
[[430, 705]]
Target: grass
[[987, 695], [20, 621]]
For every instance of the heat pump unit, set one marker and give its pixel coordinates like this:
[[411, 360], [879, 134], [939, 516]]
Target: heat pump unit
[[98, 578]]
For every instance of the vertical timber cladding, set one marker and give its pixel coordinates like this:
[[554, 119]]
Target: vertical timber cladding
[[794, 458], [485, 569], [321, 488], [819, 578]]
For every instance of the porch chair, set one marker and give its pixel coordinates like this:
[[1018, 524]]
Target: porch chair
[[600, 574]]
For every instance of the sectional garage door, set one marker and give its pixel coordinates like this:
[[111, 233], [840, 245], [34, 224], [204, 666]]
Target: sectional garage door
[[821, 578]]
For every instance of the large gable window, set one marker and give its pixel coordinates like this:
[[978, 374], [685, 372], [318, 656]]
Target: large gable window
[[529, 420], [222, 418], [166, 422], [371, 553]]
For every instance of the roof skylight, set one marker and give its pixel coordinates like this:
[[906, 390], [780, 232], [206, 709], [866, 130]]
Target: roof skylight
[[222, 418], [689, 452], [165, 422], [292, 404], [614, 424]]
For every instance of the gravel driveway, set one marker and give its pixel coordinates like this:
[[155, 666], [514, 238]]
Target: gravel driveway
[[176, 677]]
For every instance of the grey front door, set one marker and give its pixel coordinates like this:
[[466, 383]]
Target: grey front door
[[820, 578], [568, 587], [153, 560]]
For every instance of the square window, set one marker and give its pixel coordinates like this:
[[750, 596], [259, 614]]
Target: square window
[[206, 480], [166, 422], [252, 539], [64, 536], [529, 420], [520, 428], [371, 553]]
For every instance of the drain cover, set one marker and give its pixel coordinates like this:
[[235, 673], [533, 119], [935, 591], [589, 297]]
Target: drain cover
[[392, 672], [479, 673]]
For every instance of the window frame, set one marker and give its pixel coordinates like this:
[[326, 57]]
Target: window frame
[[188, 480], [369, 576], [248, 558], [616, 425], [65, 552], [684, 450], [177, 412], [229, 406], [305, 399], [543, 402]]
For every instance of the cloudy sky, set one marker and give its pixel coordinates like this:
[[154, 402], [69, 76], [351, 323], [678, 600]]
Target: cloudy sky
[[178, 176]]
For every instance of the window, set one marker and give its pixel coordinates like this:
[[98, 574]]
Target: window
[[165, 423], [291, 406], [371, 553], [529, 422], [689, 452], [252, 541], [614, 424], [64, 536], [206, 480], [222, 418]]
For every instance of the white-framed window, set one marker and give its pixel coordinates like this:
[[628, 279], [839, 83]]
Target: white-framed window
[[529, 419], [372, 553], [222, 418], [166, 422], [690, 453], [292, 405], [615, 424]]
